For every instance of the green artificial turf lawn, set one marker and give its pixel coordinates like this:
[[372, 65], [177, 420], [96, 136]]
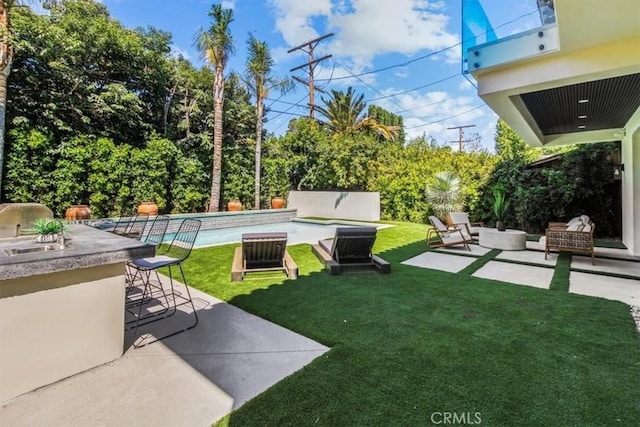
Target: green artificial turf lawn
[[417, 342]]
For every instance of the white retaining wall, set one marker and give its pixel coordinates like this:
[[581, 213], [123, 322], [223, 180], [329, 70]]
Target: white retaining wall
[[363, 206]]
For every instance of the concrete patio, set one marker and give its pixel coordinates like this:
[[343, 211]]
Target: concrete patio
[[191, 379], [615, 275]]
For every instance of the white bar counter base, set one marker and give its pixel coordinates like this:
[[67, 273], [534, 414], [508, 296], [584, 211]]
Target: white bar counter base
[[62, 311], [508, 240]]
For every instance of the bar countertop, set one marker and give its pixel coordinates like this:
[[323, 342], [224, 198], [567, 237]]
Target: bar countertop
[[85, 247]]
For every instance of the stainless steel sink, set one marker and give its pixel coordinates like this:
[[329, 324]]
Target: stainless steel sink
[[18, 251]]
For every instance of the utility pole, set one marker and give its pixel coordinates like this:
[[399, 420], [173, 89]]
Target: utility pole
[[311, 63], [461, 139]]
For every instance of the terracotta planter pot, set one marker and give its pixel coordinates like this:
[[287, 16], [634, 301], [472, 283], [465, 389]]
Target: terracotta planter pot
[[234, 205], [150, 208], [277, 203], [77, 212]]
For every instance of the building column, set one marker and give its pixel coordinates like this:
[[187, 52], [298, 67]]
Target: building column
[[631, 187]]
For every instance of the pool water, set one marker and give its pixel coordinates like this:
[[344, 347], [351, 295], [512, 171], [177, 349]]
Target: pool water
[[297, 232]]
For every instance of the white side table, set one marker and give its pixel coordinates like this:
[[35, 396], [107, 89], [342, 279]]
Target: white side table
[[508, 240]]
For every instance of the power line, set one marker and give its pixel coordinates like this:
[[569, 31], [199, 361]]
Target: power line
[[372, 88], [447, 118], [415, 88], [352, 75], [404, 64], [420, 58], [311, 63], [461, 141], [284, 102], [287, 110]]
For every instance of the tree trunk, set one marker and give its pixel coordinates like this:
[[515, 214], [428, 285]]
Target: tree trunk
[[3, 109], [6, 56], [188, 106], [216, 172], [167, 105], [256, 186]]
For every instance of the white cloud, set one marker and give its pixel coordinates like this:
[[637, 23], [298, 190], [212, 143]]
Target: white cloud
[[280, 55], [424, 114], [366, 28], [465, 85], [453, 55], [228, 4], [343, 73], [294, 18], [369, 29], [402, 72], [376, 28]]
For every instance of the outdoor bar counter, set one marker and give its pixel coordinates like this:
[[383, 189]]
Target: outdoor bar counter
[[62, 310]]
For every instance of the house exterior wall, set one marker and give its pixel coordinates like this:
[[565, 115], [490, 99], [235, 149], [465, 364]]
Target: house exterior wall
[[500, 87], [631, 186], [596, 41]]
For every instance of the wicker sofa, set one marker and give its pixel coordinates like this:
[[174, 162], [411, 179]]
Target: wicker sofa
[[573, 236]]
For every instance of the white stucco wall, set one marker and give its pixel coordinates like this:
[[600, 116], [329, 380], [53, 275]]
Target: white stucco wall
[[363, 206], [631, 186], [56, 325]]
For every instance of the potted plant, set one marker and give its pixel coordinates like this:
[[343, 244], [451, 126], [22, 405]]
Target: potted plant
[[77, 212], [277, 202], [146, 197], [234, 205], [500, 208], [150, 208], [47, 230]]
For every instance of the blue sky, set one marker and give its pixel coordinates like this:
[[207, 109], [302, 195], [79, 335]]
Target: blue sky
[[417, 40]]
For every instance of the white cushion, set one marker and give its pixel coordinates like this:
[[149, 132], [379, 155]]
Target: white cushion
[[575, 226], [542, 241], [475, 230], [585, 219], [437, 223], [154, 262], [459, 218], [587, 228], [574, 221]]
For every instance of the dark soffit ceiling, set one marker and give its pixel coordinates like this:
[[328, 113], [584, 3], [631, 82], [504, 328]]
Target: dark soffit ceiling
[[611, 104]]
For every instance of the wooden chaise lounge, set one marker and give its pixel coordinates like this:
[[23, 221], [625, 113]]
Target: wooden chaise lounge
[[263, 252], [350, 247]]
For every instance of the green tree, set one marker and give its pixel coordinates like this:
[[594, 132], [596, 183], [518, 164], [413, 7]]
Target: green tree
[[77, 71], [510, 146], [6, 60], [189, 186], [387, 118], [238, 149], [260, 80], [300, 146], [216, 45], [32, 159], [343, 114]]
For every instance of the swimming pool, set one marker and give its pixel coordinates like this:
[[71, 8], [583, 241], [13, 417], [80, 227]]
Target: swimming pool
[[297, 232]]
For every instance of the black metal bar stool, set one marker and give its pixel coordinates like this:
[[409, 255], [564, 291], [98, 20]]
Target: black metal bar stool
[[175, 254]]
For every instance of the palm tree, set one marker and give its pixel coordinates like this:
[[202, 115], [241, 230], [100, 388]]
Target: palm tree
[[444, 194], [6, 58], [260, 81], [343, 112], [215, 46]]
